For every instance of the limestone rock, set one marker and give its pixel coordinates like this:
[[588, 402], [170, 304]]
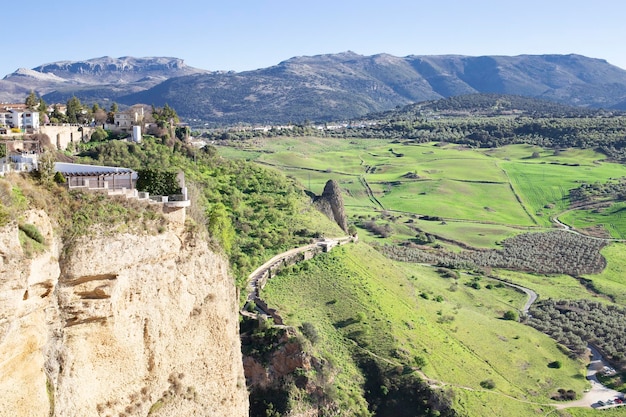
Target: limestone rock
[[331, 204], [118, 325]]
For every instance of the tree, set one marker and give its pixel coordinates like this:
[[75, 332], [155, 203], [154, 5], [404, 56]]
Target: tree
[[511, 315], [42, 108], [488, 384], [220, 227], [57, 116], [183, 132], [99, 135], [32, 101], [100, 116], [158, 182], [74, 111], [45, 167], [111, 114], [165, 116]]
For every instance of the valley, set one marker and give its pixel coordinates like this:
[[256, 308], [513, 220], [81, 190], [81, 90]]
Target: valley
[[447, 321]]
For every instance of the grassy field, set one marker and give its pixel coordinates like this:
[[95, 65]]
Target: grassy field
[[612, 219], [402, 311], [408, 314], [612, 281], [503, 186]]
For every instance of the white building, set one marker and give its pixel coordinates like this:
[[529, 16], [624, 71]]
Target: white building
[[19, 119]]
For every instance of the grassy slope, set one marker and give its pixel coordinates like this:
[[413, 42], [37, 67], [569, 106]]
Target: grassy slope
[[611, 218], [462, 337], [612, 280]]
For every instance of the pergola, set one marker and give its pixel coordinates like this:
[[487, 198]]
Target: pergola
[[94, 176]]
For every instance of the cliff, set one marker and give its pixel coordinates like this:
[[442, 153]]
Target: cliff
[[122, 324]]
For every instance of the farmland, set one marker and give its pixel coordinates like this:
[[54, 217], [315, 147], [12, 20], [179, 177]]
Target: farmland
[[516, 187], [468, 203]]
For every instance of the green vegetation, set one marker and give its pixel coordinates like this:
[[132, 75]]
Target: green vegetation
[[158, 182], [253, 212], [576, 323], [556, 252], [606, 220], [32, 232], [476, 212], [456, 331]]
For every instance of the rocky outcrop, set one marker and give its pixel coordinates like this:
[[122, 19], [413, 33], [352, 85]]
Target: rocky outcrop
[[279, 370], [331, 204], [124, 325]]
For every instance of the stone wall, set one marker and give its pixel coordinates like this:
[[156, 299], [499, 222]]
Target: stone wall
[[63, 134]]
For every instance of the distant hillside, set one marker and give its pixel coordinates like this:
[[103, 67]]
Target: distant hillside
[[348, 85], [323, 87], [97, 79], [487, 104]]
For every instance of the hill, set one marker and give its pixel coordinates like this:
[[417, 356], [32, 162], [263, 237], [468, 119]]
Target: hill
[[322, 87], [487, 105]]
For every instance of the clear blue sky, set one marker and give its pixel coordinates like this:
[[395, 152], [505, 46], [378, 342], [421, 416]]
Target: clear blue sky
[[248, 34]]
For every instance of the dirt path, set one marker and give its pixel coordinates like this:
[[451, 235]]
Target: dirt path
[[570, 229], [532, 295]]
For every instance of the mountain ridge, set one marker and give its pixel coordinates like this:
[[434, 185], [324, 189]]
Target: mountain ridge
[[67, 78], [323, 87]]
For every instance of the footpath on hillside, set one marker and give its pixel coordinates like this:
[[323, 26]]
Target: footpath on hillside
[[597, 396]]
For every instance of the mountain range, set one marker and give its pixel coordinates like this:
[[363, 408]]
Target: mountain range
[[319, 88]]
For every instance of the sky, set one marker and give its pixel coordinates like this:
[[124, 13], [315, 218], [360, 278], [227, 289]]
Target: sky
[[242, 35]]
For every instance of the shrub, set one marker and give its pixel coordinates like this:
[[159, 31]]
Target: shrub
[[32, 232], [511, 315], [488, 384], [564, 395], [308, 330], [555, 365], [59, 178], [5, 216], [420, 362], [99, 135]]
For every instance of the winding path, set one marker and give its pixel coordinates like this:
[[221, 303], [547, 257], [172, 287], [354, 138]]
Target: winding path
[[590, 399], [570, 229], [532, 295]]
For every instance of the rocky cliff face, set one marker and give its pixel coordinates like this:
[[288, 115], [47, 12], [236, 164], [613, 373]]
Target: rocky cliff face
[[331, 204], [118, 326]]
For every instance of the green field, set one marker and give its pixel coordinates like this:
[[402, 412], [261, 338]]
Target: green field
[[363, 303], [503, 186], [410, 309], [612, 219]]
